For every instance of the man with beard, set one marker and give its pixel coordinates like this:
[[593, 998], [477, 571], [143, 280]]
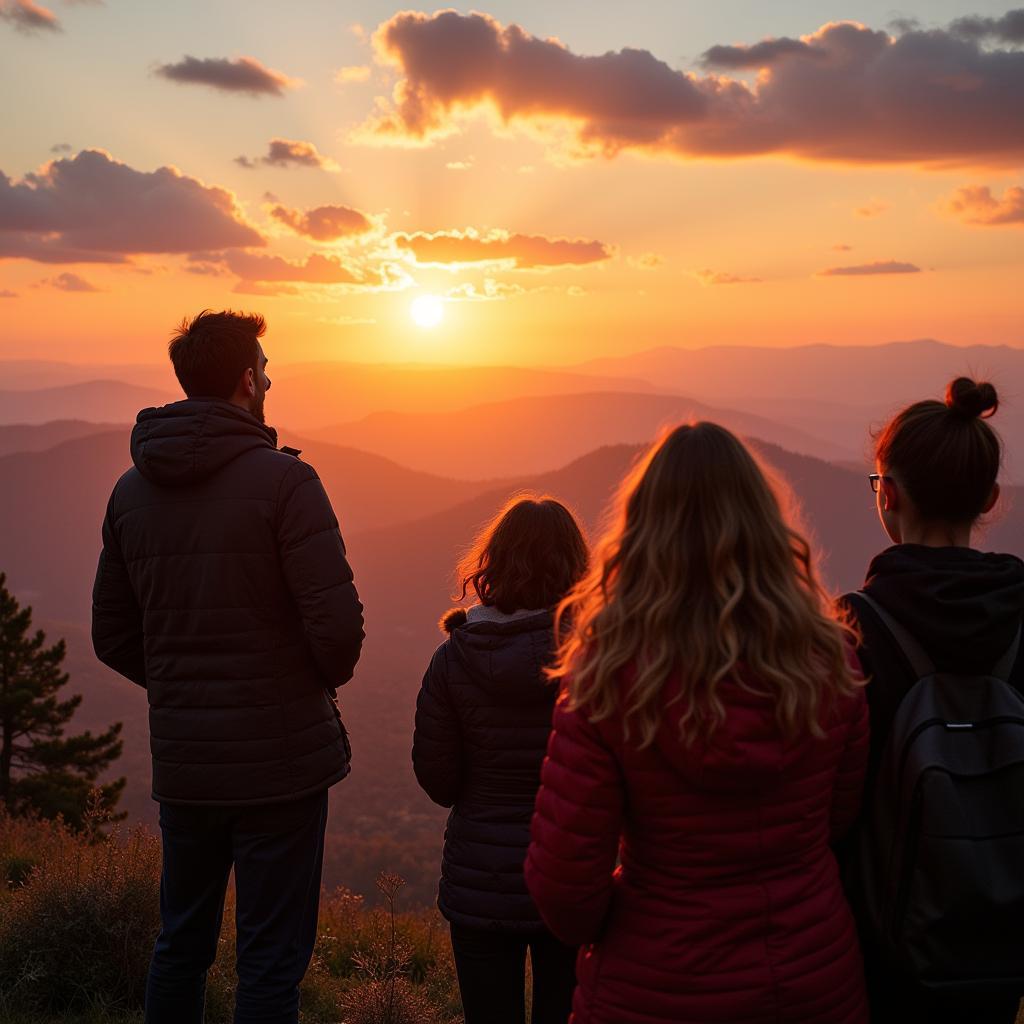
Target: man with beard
[[224, 590]]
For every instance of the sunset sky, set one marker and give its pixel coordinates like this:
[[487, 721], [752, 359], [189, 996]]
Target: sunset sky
[[572, 179]]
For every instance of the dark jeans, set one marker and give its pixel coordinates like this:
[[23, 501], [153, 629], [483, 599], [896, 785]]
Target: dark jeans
[[277, 851], [492, 976]]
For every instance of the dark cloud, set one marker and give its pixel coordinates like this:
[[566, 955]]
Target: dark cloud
[[243, 74], [1007, 29], [975, 204], [759, 55], [920, 97], [288, 153], [61, 147], [525, 251], [92, 208], [316, 269], [866, 269], [68, 282], [43, 248], [27, 16], [324, 223]]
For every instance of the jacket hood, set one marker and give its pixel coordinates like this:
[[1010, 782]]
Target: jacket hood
[[506, 653], [963, 606], [186, 442]]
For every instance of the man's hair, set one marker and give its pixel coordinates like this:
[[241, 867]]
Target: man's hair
[[212, 351]]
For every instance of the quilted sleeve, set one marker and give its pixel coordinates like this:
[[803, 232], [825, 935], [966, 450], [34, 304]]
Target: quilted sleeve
[[437, 738], [849, 785], [318, 574], [575, 831], [117, 634]]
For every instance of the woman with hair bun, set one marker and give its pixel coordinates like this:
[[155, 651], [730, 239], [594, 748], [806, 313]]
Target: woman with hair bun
[[711, 738], [482, 722], [939, 619]]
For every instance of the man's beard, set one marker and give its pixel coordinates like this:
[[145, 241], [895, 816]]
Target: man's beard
[[256, 409]]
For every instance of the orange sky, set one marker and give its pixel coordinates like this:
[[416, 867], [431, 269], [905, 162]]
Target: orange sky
[[640, 180]]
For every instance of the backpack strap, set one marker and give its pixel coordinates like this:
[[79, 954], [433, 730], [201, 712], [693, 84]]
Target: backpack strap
[[920, 663], [1004, 666]]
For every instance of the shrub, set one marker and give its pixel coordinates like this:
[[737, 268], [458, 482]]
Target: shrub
[[76, 934], [80, 911]]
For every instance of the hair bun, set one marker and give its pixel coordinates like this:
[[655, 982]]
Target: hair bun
[[971, 399]]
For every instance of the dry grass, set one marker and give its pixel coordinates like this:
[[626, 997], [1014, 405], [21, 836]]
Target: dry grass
[[78, 918]]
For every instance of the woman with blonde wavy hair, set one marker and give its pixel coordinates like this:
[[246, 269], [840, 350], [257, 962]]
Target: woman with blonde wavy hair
[[711, 736]]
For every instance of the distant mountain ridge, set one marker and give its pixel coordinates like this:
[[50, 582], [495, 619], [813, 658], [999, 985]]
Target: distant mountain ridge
[[21, 437], [540, 433], [838, 393], [98, 401], [50, 530]]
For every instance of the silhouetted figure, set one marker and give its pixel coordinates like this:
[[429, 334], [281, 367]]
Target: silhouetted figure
[[482, 722], [711, 736], [224, 590], [958, 883]]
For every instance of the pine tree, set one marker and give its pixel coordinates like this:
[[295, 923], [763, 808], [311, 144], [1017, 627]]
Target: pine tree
[[42, 770]]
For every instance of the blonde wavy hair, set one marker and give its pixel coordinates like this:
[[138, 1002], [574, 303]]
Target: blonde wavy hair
[[700, 577]]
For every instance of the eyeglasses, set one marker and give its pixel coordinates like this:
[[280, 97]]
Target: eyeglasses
[[876, 481]]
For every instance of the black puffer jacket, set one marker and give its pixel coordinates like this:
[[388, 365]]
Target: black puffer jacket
[[224, 590], [483, 717]]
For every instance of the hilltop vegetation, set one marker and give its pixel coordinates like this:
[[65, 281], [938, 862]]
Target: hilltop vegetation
[[78, 917]]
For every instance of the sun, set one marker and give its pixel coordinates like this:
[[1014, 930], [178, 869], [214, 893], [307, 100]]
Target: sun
[[427, 310]]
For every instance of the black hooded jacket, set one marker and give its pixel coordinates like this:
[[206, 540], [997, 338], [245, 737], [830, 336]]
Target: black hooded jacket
[[963, 606], [224, 590], [483, 718]]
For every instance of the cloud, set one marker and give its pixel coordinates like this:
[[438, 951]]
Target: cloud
[[975, 204], [524, 251], [204, 269], [289, 152], [243, 74], [92, 208], [488, 291], [872, 209], [6, 293], [646, 261], [316, 269], [353, 73], [61, 147], [324, 223], [27, 16], [1008, 29], [760, 55], [459, 165], [68, 282], [923, 97], [709, 277], [842, 247], [865, 269]]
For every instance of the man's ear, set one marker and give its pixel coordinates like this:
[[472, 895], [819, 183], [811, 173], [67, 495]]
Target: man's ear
[[992, 499], [249, 382], [890, 495]]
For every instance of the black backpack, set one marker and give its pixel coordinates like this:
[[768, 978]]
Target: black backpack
[[942, 847]]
